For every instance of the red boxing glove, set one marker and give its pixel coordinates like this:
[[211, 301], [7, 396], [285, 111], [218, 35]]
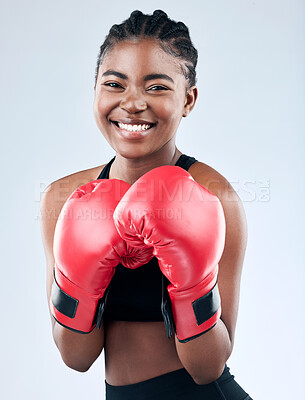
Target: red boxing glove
[[87, 248], [185, 224]]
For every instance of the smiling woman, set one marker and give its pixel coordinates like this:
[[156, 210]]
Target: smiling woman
[[127, 88], [151, 270]]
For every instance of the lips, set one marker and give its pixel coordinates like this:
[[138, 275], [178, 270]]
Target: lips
[[133, 128]]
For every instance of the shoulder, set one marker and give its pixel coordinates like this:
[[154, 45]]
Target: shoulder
[[57, 192], [213, 181], [217, 184]]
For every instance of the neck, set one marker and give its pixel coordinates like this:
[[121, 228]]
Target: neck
[[131, 169]]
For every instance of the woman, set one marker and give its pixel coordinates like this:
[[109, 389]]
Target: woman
[[164, 314]]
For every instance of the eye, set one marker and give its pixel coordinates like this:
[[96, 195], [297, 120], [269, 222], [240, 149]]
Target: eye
[[158, 88], [113, 85]]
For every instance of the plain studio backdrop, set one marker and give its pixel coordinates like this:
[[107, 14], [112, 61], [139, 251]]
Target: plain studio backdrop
[[248, 124]]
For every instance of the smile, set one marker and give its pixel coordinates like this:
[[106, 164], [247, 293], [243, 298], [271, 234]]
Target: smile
[[133, 127]]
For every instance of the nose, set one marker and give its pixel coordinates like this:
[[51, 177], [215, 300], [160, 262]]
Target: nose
[[133, 102]]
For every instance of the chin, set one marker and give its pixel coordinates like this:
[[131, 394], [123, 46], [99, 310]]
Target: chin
[[132, 152]]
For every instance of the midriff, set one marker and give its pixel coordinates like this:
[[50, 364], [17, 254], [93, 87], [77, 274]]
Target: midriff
[[137, 351]]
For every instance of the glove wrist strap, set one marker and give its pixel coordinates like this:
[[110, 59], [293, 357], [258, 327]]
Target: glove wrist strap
[[71, 306], [195, 310]]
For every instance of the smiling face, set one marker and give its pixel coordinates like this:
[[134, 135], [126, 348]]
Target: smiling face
[[140, 97]]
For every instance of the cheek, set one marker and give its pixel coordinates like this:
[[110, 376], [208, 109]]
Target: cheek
[[98, 104], [100, 108], [170, 110]]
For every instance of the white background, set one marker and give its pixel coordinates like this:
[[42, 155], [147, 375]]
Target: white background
[[248, 124]]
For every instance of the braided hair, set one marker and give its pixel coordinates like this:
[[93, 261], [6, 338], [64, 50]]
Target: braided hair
[[174, 38]]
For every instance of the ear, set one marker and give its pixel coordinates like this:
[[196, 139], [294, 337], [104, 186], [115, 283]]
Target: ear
[[190, 100]]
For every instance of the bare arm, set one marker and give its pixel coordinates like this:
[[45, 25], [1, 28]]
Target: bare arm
[[205, 356], [78, 351]]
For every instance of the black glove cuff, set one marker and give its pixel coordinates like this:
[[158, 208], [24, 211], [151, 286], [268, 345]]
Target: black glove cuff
[[206, 306], [63, 302]]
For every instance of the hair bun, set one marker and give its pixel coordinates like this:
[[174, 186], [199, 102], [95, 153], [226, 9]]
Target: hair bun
[[183, 27], [160, 13], [135, 14]]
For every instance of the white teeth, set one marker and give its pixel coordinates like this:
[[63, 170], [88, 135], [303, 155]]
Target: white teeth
[[134, 128]]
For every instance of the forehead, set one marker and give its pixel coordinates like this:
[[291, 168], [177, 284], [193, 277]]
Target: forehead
[[141, 56]]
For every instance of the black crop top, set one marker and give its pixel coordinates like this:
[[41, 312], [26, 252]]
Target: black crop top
[[136, 294]]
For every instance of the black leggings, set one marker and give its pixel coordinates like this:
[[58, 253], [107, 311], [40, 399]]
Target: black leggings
[[178, 385]]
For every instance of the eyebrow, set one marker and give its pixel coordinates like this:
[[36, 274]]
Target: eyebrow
[[158, 76], [146, 78], [115, 73]]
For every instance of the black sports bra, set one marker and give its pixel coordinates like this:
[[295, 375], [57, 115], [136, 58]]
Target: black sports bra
[[137, 294]]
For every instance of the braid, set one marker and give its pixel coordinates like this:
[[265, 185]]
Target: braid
[[155, 22], [135, 22], [173, 36], [178, 29], [117, 30]]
